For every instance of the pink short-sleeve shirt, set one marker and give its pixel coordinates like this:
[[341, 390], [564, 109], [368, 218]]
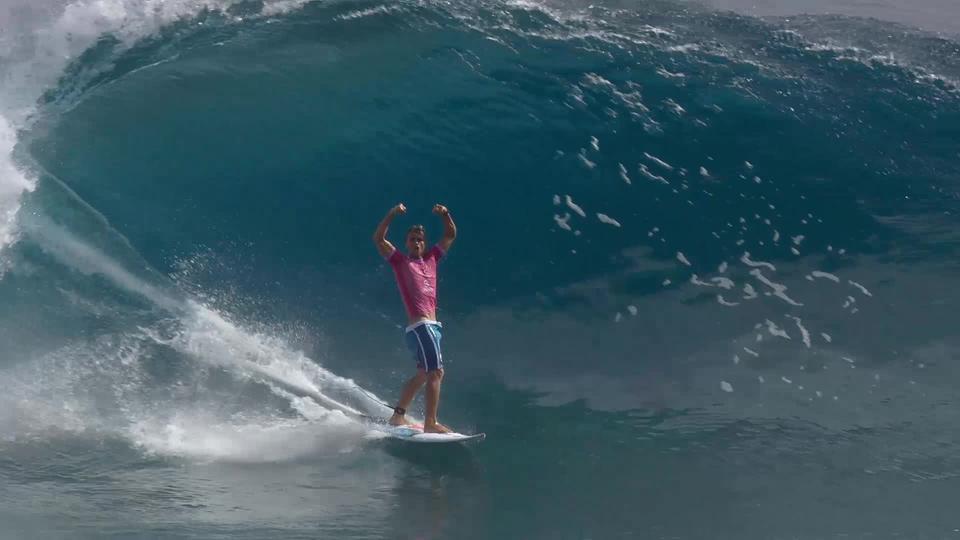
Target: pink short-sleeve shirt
[[417, 281]]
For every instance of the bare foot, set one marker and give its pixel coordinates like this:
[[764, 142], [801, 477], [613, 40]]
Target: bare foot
[[436, 428], [397, 420]]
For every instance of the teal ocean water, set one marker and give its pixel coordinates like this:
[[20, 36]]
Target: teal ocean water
[[705, 283]]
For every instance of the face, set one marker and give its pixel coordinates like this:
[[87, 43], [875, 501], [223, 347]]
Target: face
[[416, 244]]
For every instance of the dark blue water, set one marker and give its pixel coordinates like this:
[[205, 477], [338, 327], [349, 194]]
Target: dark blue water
[[704, 283]]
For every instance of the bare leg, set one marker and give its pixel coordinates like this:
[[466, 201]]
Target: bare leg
[[409, 391], [430, 424]]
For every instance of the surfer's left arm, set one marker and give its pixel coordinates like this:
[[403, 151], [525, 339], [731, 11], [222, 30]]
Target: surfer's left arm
[[449, 227]]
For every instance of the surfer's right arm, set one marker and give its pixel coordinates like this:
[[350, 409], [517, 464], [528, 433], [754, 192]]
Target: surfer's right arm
[[380, 235]]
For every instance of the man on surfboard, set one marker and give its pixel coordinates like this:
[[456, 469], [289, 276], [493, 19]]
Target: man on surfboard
[[416, 274]]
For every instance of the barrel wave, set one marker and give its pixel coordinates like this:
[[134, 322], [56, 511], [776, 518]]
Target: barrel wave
[[704, 284]]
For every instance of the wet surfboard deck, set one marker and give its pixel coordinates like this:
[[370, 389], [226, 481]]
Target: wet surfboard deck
[[414, 433]]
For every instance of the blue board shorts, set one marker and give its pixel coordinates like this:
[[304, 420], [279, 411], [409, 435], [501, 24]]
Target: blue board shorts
[[423, 340]]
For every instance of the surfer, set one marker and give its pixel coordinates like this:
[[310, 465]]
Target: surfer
[[416, 274]]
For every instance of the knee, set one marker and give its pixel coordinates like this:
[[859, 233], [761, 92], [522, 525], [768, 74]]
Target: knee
[[435, 376]]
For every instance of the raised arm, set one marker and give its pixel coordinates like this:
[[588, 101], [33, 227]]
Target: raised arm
[[449, 227], [380, 235]]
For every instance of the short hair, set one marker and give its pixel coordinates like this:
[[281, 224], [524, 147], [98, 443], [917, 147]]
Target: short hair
[[416, 228]]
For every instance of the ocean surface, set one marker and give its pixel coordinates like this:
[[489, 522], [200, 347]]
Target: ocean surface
[[705, 283]]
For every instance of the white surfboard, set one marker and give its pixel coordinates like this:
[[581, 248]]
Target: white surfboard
[[415, 434]]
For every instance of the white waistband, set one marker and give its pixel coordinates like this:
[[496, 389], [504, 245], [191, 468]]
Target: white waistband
[[423, 322]]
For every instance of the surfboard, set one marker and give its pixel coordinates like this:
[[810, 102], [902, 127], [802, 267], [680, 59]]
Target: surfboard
[[414, 433]]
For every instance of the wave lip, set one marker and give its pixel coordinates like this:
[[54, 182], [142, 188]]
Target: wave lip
[[13, 182]]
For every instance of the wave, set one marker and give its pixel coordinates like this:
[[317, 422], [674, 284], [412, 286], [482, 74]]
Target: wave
[[720, 200]]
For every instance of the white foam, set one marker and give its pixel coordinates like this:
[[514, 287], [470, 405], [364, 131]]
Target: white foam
[[608, 220], [202, 436], [659, 162], [695, 279], [56, 391], [745, 259], [861, 287], [722, 282], [825, 275], [722, 301], [279, 7], [803, 331], [646, 172], [683, 258], [209, 337], [631, 100], [725, 386], [779, 290], [674, 107], [684, 48], [657, 31], [573, 206], [623, 174], [669, 74], [775, 330], [13, 183], [582, 156]]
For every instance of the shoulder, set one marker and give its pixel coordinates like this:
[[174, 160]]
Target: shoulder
[[395, 257], [437, 252]]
